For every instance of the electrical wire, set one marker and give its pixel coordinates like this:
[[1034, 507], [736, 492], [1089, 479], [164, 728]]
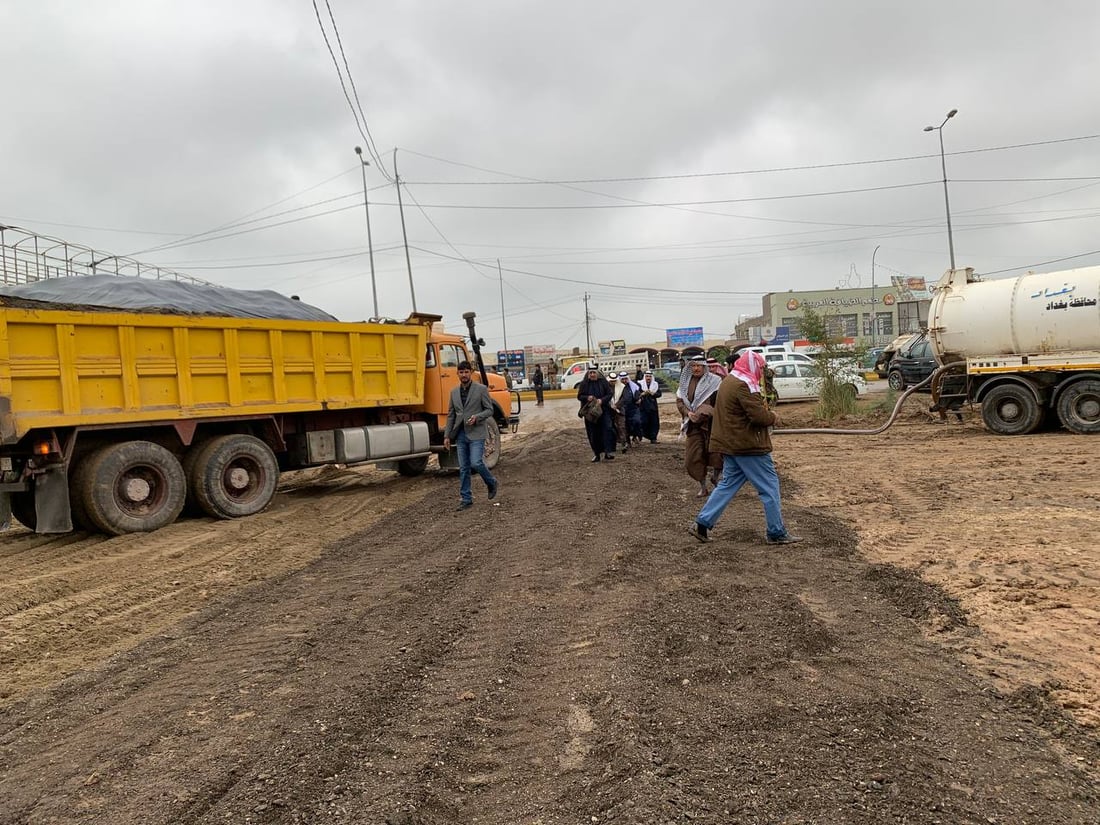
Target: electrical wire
[[360, 122], [355, 93], [648, 178]]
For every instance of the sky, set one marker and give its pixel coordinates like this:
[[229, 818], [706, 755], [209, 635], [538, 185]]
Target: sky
[[671, 161]]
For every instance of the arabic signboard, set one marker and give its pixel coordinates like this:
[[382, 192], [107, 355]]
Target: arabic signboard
[[684, 337]]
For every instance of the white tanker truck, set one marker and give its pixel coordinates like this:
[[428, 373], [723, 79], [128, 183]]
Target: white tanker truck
[[1024, 348]]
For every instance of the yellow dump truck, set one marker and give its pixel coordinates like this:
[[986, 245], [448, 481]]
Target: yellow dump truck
[[113, 420]]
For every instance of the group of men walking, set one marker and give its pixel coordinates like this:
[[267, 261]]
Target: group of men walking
[[726, 423], [618, 411]]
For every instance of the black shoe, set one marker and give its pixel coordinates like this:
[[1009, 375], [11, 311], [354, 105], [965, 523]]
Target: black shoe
[[493, 490], [784, 539], [465, 505], [700, 532], [609, 457], [595, 459]]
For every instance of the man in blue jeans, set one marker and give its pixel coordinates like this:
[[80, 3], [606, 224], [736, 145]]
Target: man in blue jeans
[[470, 408], [739, 432]]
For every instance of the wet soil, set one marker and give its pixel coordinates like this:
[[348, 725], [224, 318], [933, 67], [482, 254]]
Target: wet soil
[[362, 653]]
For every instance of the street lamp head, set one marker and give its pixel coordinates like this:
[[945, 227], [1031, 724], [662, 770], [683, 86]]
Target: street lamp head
[[952, 113], [929, 128]]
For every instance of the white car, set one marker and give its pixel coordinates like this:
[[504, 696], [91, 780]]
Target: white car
[[798, 381]]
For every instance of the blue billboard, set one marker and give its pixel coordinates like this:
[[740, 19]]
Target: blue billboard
[[684, 337], [511, 359]]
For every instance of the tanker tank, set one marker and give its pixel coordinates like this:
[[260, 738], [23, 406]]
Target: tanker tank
[[1036, 313]]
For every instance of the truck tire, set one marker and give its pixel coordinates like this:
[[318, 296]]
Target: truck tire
[[896, 380], [23, 508], [1078, 407], [234, 476], [77, 480], [1011, 409], [191, 506], [132, 487], [412, 466], [492, 443]]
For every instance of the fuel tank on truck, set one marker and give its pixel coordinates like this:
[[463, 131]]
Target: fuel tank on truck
[[1045, 312]]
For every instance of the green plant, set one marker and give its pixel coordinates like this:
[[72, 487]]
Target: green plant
[[838, 365]]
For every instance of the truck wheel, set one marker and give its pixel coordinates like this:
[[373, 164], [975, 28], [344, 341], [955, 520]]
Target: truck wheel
[[1078, 407], [23, 508], [77, 481], [412, 466], [492, 443], [234, 476], [133, 487], [896, 380], [191, 506], [1011, 409]]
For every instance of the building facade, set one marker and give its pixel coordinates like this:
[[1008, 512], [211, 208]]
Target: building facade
[[862, 316]]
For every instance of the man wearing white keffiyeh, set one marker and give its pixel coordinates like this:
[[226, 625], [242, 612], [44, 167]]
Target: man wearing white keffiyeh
[[695, 401]]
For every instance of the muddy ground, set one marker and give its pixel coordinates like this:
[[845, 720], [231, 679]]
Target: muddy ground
[[362, 653]]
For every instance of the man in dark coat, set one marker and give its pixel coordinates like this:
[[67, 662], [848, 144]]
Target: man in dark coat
[[594, 390], [536, 382]]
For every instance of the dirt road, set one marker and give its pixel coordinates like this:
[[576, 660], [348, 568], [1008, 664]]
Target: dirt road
[[361, 653]]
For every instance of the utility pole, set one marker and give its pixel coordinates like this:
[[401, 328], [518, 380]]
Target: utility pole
[[874, 306], [401, 209], [587, 328], [370, 245], [503, 323]]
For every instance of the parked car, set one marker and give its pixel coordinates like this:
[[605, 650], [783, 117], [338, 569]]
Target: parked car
[[882, 363], [912, 364], [797, 381], [871, 358]]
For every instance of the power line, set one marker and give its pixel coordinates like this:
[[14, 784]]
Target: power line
[[645, 178], [718, 202], [360, 122], [355, 92], [588, 282], [1044, 263]]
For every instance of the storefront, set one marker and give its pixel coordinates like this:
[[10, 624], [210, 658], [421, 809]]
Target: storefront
[[862, 316]]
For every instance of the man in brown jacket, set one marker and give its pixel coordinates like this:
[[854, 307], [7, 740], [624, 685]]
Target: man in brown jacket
[[740, 433]]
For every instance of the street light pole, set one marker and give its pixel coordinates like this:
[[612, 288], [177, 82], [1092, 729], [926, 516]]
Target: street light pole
[[370, 244], [874, 307], [943, 166]]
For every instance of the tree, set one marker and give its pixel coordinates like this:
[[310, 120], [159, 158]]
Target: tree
[[837, 364]]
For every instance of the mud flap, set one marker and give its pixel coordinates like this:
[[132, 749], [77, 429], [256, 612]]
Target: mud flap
[[448, 459], [51, 502], [5, 511]]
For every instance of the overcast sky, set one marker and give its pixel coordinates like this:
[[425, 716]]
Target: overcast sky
[[675, 161]]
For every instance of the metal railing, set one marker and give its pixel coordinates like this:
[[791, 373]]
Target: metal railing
[[27, 257]]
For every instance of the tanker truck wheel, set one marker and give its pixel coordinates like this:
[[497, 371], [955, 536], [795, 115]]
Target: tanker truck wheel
[[234, 476], [1011, 409], [133, 487], [1079, 407], [492, 443]]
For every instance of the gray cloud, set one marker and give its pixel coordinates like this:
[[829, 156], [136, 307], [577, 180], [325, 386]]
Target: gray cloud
[[160, 117]]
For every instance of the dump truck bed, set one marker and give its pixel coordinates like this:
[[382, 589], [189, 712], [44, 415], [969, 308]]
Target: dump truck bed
[[62, 368]]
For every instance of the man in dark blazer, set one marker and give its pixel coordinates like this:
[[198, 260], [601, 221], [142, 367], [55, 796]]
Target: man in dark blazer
[[470, 408]]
